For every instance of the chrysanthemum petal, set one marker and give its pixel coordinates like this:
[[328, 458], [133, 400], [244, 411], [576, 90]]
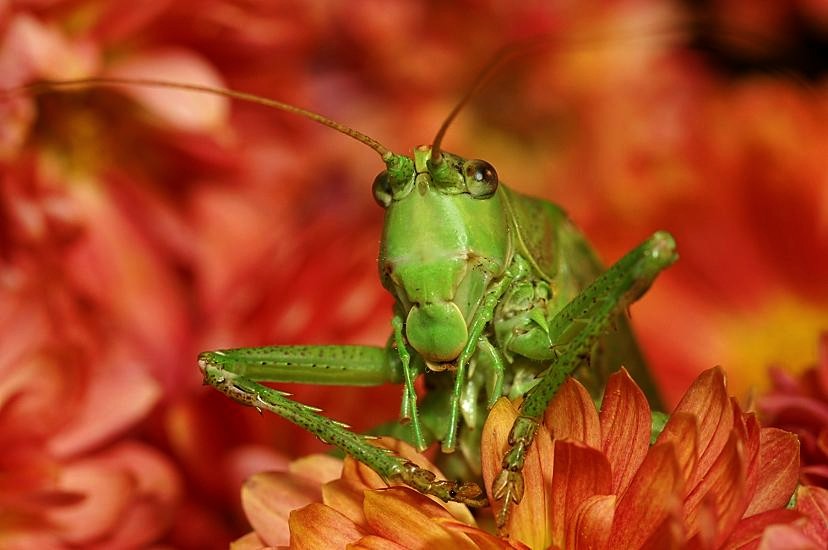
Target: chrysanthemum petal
[[319, 467], [682, 431], [320, 527], [715, 505], [373, 542], [778, 470], [346, 498], [405, 516], [579, 472], [186, 111], [625, 428], [748, 532], [649, 500], [268, 499], [524, 522], [250, 541], [572, 415], [482, 539], [786, 537], [590, 525], [813, 503], [707, 399]]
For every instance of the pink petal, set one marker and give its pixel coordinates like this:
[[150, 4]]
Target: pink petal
[[650, 499], [269, 498], [786, 537], [318, 527], [107, 494], [812, 502], [572, 415], [31, 49], [190, 111], [778, 470], [250, 541], [748, 531], [404, 516], [625, 428], [117, 397], [578, 473], [591, 524]]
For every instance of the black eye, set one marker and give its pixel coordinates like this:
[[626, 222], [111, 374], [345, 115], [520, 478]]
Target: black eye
[[481, 179], [382, 189]]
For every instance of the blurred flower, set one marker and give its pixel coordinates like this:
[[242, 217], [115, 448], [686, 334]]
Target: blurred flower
[[800, 405]]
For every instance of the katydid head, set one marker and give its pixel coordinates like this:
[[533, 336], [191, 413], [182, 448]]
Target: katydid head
[[446, 237]]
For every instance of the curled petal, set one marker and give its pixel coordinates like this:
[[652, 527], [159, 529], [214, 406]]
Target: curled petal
[[625, 428]]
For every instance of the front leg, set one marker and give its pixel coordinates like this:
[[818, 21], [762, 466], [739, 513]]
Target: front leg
[[236, 373], [583, 320]]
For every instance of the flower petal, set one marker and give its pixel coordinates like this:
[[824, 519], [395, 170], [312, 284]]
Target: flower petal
[[778, 470], [625, 428], [591, 524], [319, 527], [269, 498], [578, 473], [813, 503], [787, 537], [650, 499], [405, 516], [346, 498], [748, 532], [572, 415], [250, 541], [373, 542], [682, 431], [482, 539], [707, 399], [524, 522], [183, 110]]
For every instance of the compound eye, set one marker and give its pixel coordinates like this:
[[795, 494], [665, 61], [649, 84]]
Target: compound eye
[[382, 189], [481, 179]]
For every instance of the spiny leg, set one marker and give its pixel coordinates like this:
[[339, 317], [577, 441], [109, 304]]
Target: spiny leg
[[391, 467], [612, 292]]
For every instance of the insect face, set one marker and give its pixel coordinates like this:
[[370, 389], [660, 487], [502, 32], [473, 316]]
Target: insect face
[[446, 238]]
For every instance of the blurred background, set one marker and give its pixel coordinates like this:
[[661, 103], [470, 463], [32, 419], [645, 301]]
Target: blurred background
[[139, 227]]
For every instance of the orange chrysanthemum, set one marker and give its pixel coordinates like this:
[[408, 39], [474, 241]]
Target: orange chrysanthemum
[[714, 478]]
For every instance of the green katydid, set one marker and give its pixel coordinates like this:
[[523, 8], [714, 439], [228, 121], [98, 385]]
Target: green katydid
[[496, 293]]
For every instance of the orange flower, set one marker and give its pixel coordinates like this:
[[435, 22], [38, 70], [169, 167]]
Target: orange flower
[[323, 503], [714, 478]]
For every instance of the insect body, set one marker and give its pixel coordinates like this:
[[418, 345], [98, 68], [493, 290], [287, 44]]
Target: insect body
[[495, 294]]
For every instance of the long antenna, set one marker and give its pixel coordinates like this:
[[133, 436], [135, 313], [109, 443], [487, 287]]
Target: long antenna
[[526, 47], [45, 86]]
